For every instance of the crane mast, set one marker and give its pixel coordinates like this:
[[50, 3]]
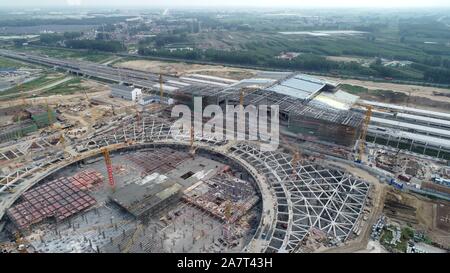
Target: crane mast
[[362, 139], [108, 163]]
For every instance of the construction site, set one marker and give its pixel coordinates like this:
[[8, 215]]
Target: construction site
[[107, 171]]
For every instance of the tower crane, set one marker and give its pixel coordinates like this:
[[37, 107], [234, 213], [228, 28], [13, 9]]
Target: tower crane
[[241, 97], [362, 139], [108, 163], [296, 156], [50, 115]]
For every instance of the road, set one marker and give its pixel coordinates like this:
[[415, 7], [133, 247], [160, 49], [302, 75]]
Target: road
[[255, 67], [105, 72]]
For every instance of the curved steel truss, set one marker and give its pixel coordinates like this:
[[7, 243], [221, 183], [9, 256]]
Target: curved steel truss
[[311, 197]]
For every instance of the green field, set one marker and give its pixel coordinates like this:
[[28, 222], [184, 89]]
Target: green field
[[31, 85], [255, 39], [8, 63], [70, 87], [69, 54], [401, 46]]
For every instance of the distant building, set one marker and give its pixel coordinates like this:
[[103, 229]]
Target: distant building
[[16, 131], [311, 108], [29, 120], [126, 92], [146, 100], [288, 55]]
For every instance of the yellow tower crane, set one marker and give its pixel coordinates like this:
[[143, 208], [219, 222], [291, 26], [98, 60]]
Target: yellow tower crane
[[241, 108], [109, 169], [241, 97], [296, 156], [362, 139], [50, 115]]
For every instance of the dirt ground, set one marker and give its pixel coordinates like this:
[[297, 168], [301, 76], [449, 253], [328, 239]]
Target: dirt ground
[[84, 118], [92, 88], [432, 101], [373, 247], [348, 59], [179, 69], [421, 213]]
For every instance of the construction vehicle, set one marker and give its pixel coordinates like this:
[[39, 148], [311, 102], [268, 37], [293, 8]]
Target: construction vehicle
[[396, 184], [108, 163]]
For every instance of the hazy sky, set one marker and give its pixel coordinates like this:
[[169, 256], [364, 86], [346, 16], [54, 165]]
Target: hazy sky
[[211, 3]]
